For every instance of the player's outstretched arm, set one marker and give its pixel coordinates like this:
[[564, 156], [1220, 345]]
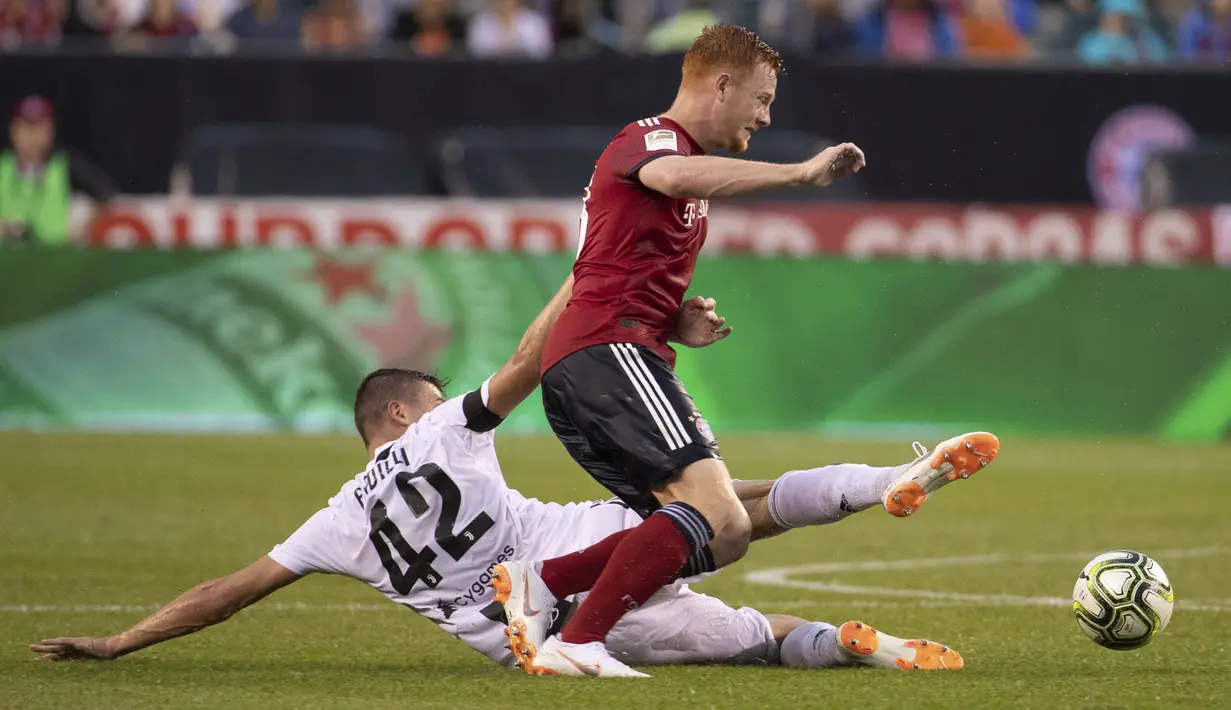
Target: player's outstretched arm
[[204, 605], [704, 177], [520, 375]]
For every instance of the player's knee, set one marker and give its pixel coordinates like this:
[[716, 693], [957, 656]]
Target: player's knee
[[731, 541], [726, 516], [739, 525]]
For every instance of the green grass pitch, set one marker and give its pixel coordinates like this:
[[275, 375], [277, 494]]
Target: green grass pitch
[[96, 520]]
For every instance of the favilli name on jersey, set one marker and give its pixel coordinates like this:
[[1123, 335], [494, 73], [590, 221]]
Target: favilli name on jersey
[[423, 523], [431, 515]]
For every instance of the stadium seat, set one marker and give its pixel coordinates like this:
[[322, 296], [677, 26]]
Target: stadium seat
[[301, 160], [784, 146], [539, 161], [1199, 175], [558, 161]]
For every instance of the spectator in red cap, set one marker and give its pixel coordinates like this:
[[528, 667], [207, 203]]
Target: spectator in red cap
[[36, 178]]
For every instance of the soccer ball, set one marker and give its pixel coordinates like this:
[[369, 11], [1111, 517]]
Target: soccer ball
[[1122, 599]]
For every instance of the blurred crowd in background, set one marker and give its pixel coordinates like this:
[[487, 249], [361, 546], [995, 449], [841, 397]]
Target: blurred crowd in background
[[1093, 31]]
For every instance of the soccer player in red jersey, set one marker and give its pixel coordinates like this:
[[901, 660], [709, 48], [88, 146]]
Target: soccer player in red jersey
[[609, 388]]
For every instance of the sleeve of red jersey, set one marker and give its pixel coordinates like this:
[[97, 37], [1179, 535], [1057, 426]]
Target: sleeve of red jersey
[[641, 142]]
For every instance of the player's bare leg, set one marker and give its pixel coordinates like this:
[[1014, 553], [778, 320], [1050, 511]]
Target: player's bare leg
[[674, 540], [815, 644], [707, 486]]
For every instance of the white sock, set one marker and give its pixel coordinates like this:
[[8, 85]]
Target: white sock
[[828, 494], [813, 645]]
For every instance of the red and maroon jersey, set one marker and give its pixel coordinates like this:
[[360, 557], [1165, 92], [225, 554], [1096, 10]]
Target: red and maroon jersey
[[638, 249]]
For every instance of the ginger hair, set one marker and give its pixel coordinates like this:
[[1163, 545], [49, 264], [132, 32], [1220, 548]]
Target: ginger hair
[[730, 48]]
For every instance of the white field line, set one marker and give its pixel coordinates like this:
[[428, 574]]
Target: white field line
[[767, 605], [776, 577], [785, 577]]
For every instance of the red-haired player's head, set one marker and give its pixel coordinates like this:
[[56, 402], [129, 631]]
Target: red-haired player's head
[[730, 78]]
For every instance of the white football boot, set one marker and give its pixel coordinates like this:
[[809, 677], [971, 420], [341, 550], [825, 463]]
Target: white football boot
[[528, 605], [960, 457], [868, 647], [556, 657]]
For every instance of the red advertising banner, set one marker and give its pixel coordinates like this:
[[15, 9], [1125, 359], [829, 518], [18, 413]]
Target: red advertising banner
[[860, 231]]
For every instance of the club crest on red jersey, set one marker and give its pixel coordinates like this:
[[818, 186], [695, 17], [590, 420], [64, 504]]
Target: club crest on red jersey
[[703, 427]]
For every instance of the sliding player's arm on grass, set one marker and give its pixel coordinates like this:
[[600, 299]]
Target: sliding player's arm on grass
[[204, 605], [704, 177]]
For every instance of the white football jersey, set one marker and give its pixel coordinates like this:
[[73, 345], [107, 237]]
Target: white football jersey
[[431, 515], [425, 522]]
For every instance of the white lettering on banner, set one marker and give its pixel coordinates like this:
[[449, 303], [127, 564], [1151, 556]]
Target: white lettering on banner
[[1111, 242], [1163, 238], [859, 231], [993, 236], [873, 237], [1166, 237], [1222, 236], [935, 238], [1054, 237], [760, 233]]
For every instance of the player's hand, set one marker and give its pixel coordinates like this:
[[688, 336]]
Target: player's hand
[[833, 164], [698, 323], [74, 649]]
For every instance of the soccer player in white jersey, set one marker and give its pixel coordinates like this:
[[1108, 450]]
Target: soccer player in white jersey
[[431, 516]]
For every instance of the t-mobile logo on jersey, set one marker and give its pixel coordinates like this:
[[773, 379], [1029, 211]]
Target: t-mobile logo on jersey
[[693, 211]]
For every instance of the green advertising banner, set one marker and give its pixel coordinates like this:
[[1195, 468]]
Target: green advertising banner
[[257, 340]]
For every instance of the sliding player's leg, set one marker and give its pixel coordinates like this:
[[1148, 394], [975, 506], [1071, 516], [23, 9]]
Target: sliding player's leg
[[627, 419], [584, 535], [674, 541], [679, 626], [824, 495], [528, 585], [673, 538], [796, 499], [816, 644]]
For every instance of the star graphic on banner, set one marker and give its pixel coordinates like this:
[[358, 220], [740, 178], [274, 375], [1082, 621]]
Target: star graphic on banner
[[405, 340], [340, 278]]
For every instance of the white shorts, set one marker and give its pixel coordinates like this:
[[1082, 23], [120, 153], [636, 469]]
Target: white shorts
[[676, 625], [680, 626]]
